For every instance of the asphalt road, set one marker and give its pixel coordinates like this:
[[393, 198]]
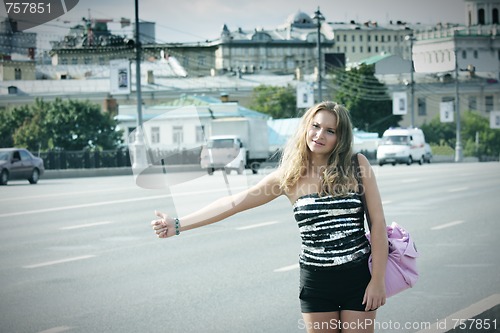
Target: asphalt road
[[78, 255]]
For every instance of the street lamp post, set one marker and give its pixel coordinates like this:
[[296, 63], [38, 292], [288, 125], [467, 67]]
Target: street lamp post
[[412, 81], [319, 19], [138, 146], [458, 144], [138, 65]]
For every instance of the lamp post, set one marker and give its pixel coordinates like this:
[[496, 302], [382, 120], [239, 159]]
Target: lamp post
[[138, 65], [412, 81], [138, 147], [319, 19], [458, 144]]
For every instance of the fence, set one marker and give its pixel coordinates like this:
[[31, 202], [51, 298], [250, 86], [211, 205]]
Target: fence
[[56, 160]]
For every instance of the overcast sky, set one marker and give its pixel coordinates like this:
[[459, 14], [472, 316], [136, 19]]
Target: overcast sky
[[198, 20]]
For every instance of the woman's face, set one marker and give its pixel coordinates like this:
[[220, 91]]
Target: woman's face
[[322, 133]]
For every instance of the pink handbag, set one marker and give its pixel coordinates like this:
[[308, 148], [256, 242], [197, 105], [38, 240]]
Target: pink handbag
[[401, 271]]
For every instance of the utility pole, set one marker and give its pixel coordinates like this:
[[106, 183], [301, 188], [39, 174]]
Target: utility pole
[[138, 146], [319, 19], [138, 65], [412, 81], [458, 145]]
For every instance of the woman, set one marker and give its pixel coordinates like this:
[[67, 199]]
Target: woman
[[337, 291]]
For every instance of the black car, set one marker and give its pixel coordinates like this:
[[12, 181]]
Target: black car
[[19, 163]]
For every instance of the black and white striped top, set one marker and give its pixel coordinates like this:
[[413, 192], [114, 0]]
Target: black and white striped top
[[332, 230]]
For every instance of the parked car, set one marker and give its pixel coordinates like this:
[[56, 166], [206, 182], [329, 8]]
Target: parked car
[[19, 163]]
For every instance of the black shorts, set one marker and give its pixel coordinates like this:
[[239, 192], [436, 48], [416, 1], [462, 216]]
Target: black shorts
[[335, 289]]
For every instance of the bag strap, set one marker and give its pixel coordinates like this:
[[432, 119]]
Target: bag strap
[[361, 189]]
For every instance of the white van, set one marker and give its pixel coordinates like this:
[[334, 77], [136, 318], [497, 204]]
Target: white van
[[401, 145]]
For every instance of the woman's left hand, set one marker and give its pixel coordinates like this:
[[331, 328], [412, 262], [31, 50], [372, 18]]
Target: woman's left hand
[[374, 295]]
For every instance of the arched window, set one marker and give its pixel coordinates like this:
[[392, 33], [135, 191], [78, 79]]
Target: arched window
[[17, 74], [480, 16], [494, 16]]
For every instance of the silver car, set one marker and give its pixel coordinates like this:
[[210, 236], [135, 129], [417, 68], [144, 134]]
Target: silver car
[[19, 163]]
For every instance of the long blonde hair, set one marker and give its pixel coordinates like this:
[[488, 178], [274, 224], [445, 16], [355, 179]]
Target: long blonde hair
[[338, 178]]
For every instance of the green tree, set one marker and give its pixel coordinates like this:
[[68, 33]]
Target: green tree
[[366, 98], [277, 102], [438, 133], [488, 139], [444, 134], [68, 124]]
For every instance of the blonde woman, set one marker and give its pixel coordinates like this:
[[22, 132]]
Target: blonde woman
[[337, 291]]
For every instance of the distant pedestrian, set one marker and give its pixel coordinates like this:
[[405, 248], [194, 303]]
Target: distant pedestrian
[[337, 291]]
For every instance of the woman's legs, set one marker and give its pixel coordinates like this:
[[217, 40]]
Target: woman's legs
[[357, 321], [318, 322]]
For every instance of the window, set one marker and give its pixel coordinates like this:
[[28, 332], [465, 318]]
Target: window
[[376, 49], [464, 54], [101, 61], [87, 60], [422, 107], [376, 38], [475, 54], [360, 38], [345, 38], [494, 15], [177, 135], [155, 135], [353, 49], [488, 103], [480, 16], [388, 38], [200, 134], [382, 38], [369, 38], [17, 74], [201, 60], [74, 61], [64, 61], [361, 49], [24, 155], [472, 103], [353, 38], [369, 49]]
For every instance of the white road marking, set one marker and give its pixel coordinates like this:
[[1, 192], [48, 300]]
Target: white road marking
[[447, 225], [412, 180], [57, 329], [386, 202], [458, 189], [85, 225], [453, 321], [264, 224], [62, 261], [112, 202], [287, 268]]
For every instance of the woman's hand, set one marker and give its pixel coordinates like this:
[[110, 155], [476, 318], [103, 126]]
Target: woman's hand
[[374, 295], [164, 226]]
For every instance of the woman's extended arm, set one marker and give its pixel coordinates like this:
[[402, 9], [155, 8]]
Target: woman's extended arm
[[263, 192], [375, 292]]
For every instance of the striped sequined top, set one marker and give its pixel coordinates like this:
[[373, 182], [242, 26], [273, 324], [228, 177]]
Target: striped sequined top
[[332, 230]]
